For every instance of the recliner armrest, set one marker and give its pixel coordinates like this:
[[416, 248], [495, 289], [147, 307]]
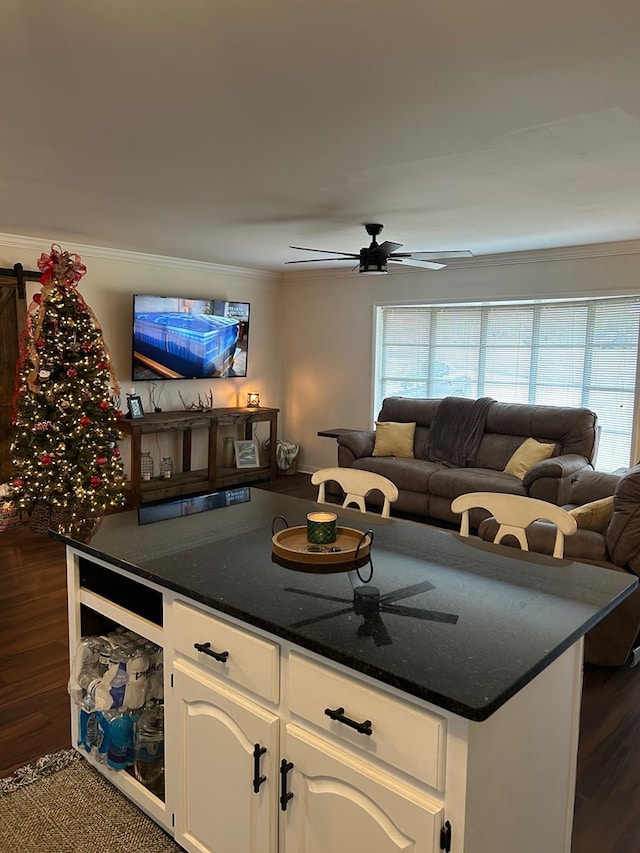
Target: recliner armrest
[[557, 466], [355, 445]]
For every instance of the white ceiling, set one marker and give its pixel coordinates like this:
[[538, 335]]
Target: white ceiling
[[226, 130]]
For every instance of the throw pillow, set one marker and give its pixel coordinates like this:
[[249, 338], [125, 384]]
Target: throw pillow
[[529, 452], [595, 515], [394, 439]]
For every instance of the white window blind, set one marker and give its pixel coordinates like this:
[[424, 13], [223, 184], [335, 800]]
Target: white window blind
[[560, 353]]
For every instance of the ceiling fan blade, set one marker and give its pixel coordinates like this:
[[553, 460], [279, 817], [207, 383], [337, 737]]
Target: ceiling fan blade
[[373, 626], [388, 247], [420, 613], [435, 255], [413, 262], [313, 619], [320, 260], [406, 591], [326, 251]]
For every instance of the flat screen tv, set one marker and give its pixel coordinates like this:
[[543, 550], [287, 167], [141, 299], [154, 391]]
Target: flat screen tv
[[175, 337]]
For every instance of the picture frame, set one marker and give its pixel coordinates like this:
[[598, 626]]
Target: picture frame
[[134, 405], [247, 454]]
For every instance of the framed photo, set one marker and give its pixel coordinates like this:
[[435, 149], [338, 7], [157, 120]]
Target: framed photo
[[247, 454], [134, 404]]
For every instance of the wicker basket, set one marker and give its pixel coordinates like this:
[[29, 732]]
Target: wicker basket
[[45, 517], [292, 469]]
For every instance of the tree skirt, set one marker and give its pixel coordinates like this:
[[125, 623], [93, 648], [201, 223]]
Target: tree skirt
[[60, 804]]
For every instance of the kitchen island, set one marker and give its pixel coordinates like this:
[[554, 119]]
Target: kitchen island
[[428, 701]]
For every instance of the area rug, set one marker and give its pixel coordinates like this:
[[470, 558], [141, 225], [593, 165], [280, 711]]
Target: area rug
[[60, 804]]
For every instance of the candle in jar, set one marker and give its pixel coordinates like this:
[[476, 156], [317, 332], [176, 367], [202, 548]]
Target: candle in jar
[[321, 528]]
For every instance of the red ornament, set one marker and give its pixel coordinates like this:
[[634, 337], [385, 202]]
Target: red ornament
[[46, 459], [37, 298], [104, 405], [72, 372], [102, 460], [40, 343], [18, 483], [85, 421], [87, 345], [119, 415], [116, 452], [95, 481]]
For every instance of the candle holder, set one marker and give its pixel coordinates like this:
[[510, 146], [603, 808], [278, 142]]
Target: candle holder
[[253, 400], [321, 528]]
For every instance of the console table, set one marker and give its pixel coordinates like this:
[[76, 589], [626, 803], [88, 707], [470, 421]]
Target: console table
[[188, 482]]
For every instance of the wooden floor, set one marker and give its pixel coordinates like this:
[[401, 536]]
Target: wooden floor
[[34, 706]]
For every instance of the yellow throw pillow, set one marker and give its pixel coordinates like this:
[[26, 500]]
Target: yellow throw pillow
[[394, 439], [595, 515], [529, 452]]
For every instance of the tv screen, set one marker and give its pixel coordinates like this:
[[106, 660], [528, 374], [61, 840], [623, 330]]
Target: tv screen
[[179, 338]]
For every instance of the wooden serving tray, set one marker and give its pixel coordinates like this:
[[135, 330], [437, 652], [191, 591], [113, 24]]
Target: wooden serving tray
[[292, 550]]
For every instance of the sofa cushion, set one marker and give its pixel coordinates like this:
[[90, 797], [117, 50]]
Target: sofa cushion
[[595, 515], [412, 475], [451, 482], [394, 439], [526, 456], [583, 545]]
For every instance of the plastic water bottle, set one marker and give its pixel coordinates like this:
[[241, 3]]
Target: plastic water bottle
[[120, 739], [148, 765]]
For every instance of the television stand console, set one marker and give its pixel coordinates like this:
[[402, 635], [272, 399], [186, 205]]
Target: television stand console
[[188, 482]]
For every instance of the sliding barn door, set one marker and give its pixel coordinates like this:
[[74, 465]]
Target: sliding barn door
[[12, 318]]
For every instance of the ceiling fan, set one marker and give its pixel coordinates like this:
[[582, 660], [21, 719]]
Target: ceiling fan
[[370, 603], [375, 257]]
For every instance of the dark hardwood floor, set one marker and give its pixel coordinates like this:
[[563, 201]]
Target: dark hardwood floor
[[34, 705]]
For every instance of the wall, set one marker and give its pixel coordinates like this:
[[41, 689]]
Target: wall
[[311, 344], [111, 279], [329, 320]]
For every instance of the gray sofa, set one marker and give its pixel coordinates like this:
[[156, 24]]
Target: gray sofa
[[426, 488], [616, 640]]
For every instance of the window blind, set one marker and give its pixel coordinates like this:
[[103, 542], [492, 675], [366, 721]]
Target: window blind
[[559, 353]]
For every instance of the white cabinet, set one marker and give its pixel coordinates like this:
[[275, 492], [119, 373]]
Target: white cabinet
[[253, 780], [343, 804], [227, 749], [272, 749]]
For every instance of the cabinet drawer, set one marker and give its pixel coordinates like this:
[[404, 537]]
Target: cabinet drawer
[[403, 736], [252, 663]]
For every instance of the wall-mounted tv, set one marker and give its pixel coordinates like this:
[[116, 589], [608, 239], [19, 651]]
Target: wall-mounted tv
[[175, 337]]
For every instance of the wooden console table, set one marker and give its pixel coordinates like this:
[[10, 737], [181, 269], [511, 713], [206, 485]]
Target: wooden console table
[[186, 481]]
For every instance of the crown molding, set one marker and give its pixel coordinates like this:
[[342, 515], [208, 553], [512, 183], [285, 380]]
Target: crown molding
[[562, 253], [38, 245]]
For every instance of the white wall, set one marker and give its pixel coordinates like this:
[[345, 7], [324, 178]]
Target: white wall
[[329, 321], [311, 340], [111, 279]]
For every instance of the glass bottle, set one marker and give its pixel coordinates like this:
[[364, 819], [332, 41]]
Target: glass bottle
[[146, 466], [166, 468]]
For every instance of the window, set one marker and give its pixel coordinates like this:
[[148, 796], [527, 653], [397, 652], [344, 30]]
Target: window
[[558, 353]]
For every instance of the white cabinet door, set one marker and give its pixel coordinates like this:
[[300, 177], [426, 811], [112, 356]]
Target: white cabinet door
[[217, 808], [342, 804]]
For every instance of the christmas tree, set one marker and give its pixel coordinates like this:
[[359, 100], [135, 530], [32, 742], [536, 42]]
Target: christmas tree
[[64, 448]]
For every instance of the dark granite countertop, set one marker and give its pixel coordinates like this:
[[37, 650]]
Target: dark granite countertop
[[463, 624]]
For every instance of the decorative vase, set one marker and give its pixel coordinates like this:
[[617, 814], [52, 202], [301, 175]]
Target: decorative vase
[[227, 452], [146, 466]]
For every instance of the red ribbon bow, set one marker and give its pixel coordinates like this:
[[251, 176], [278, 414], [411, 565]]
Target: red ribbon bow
[[61, 266]]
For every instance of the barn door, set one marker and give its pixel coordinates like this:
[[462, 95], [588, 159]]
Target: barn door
[[12, 319]]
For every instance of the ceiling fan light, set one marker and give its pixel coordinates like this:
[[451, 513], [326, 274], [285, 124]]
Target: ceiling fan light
[[372, 268]]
